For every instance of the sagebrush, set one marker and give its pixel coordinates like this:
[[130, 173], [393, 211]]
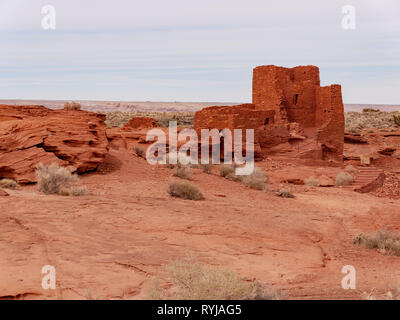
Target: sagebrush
[[195, 281], [185, 190], [53, 179], [8, 184], [383, 240], [344, 179]]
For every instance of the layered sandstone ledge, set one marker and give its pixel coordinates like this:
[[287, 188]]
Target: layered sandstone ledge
[[30, 135]]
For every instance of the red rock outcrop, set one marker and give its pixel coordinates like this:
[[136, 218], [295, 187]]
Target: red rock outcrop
[[30, 135], [141, 122], [291, 114], [132, 133]]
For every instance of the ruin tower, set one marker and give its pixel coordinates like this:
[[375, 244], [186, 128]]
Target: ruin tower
[[292, 115], [296, 96]]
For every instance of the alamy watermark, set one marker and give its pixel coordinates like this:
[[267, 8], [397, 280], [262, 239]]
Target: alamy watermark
[[349, 18], [226, 143], [49, 17]]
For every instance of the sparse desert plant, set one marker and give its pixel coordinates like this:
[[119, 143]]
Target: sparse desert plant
[[370, 110], [8, 184], [344, 179], [396, 120], [206, 168], [185, 190], [173, 163], [384, 241], [284, 193], [350, 169], [182, 172], [118, 118], [365, 120], [256, 180], [72, 106], [140, 151], [53, 179], [195, 281], [226, 170], [311, 182]]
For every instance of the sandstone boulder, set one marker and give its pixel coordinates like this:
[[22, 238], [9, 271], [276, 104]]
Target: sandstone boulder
[[30, 135]]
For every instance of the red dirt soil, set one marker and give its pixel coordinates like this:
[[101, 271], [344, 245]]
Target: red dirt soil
[[109, 243]]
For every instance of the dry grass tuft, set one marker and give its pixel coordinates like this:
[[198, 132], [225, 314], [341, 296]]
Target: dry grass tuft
[[207, 168], [344, 179], [357, 121], [185, 190], [8, 184], [72, 106], [350, 169], [54, 179], [182, 172], [227, 170], [284, 193], [194, 281], [257, 180], [311, 182], [383, 240], [118, 118]]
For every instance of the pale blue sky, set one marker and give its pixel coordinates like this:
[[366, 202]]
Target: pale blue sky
[[190, 50]]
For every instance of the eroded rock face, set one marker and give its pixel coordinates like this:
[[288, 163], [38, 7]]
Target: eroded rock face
[[291, 114], [141, 122], [132, 133], [30, 135]]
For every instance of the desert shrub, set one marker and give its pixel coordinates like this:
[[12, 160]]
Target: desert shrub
[[194, 281], [382, 240], [370, 110], [361, 120], [185, 190], [344, 179], [182, 172], [54, 179], [256, 180], [72, 106], [118, 118], [311, 182], [170, 163], [8, 184], [226, 170], [284, 193], [350, 169], [206, 168], [396, 120], [140, 151]]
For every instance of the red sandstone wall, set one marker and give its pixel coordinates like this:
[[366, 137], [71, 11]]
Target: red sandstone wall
[[290, 92], [330, 120]]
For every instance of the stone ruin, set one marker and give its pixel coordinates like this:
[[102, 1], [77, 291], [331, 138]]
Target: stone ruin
[[291, 114]]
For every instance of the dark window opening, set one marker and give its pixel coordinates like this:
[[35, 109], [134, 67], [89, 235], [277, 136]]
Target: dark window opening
[[295, 99], [266, 122]]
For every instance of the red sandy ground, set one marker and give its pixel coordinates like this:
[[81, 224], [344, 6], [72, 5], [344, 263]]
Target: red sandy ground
[[108, 244]]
